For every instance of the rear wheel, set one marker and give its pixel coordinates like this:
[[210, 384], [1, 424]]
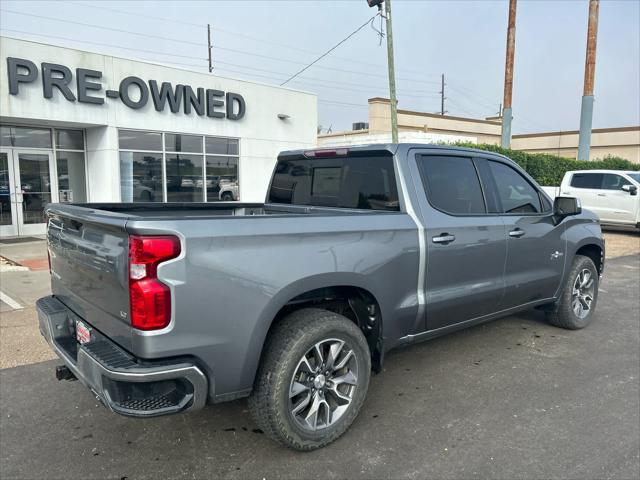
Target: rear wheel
[[576, 306], [227, 197], [312, 380]]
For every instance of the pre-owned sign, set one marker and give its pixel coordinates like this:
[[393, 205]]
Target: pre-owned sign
[[133, 91]]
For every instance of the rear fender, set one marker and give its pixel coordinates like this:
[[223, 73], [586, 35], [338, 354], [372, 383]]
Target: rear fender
[[282, 297]]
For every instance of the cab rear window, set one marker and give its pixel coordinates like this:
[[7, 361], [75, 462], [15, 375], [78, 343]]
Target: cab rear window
[[367, 183]]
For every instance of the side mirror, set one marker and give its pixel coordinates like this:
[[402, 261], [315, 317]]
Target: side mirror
[[566, 206], [632, 189]]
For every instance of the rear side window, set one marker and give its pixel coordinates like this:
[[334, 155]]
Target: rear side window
[[452, 184], [516, 194], [367, 183], [586, 180]]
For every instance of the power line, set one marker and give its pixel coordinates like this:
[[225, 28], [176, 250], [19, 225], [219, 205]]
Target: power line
[[171, 20], [248, 37], [111, 29], [320, 82], [330, 50], [345, 104], [103, 44], [233, 50]]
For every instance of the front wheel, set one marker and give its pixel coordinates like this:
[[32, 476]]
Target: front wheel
[[577, 303], [312, 380]]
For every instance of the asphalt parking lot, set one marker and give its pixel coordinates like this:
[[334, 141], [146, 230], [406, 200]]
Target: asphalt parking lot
[[515, 398]]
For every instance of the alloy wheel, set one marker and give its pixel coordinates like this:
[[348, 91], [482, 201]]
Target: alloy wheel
[[323, 384], [583, 293]]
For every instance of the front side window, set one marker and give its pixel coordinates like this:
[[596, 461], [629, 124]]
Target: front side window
[[515, 193], [452, 184], [586, 180], [611, 181], [367, 183]]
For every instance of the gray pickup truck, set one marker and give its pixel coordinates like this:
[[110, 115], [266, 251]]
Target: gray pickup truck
[[164, 308]]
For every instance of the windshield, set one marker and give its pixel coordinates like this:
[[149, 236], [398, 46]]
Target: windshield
[[635, 176]]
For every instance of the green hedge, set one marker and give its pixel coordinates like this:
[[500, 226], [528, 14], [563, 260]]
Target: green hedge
[[548, 169]]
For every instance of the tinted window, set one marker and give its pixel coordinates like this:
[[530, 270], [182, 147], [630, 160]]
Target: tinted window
[[635, 176], [182, 143], [141, 177], [221, 146], [516, 194], [132, 140], [452, 184], [586, 180], [184, 178], [25, 137], [353, 182], [69, 139], [222, 178], [611, 181]]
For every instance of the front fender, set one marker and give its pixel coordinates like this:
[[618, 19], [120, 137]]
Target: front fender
[[581, 231]]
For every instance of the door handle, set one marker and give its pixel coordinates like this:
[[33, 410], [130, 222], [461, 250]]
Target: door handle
[[602, 194], [444, 238], [517, 233]]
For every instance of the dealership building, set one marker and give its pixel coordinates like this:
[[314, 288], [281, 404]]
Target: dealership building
[[85, 127]]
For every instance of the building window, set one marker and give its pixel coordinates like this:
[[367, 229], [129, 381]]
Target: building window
[[68, 148], [70, 166], [169, 167], [222, 169]]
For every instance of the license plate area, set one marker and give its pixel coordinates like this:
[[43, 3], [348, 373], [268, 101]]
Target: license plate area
[[84, 333]]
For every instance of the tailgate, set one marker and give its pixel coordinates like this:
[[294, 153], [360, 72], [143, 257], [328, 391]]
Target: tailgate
[[89, 267]]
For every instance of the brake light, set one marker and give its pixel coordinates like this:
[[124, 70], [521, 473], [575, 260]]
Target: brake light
[[149, 298], [338, 152]]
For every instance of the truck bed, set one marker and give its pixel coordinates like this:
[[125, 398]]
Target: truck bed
[[177, 210]]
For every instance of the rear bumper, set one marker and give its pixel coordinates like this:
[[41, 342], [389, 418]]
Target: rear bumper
[[123, 383]]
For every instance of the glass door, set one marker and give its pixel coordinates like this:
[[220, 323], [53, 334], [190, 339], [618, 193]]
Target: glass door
[[35, 187], [8, 217]]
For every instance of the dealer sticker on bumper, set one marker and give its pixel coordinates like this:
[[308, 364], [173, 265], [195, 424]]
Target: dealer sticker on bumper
[[83, 333]]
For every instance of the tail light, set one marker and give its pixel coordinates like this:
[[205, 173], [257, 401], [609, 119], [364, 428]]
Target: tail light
[[149, 298]]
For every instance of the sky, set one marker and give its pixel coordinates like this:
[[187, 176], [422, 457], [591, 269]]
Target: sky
[[268, 41]]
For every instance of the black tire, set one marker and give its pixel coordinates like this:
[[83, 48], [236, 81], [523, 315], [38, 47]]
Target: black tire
[[291, 340], [563, 314], [227, 197]]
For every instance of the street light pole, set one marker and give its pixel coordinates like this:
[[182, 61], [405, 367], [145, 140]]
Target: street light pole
[[586, 111], [507, 114], [392, 74]]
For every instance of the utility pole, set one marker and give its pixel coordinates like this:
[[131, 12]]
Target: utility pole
[[442, 97], [210, 47], [586, 112], [392, 74], [508, 76]]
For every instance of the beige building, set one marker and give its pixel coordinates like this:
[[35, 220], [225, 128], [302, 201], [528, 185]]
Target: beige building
[[421, 127], [619, 142]]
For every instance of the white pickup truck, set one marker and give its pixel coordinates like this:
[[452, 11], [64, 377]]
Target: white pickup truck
[[611, 194]]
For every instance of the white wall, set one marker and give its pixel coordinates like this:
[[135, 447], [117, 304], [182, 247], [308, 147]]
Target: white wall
[[262, 134]]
